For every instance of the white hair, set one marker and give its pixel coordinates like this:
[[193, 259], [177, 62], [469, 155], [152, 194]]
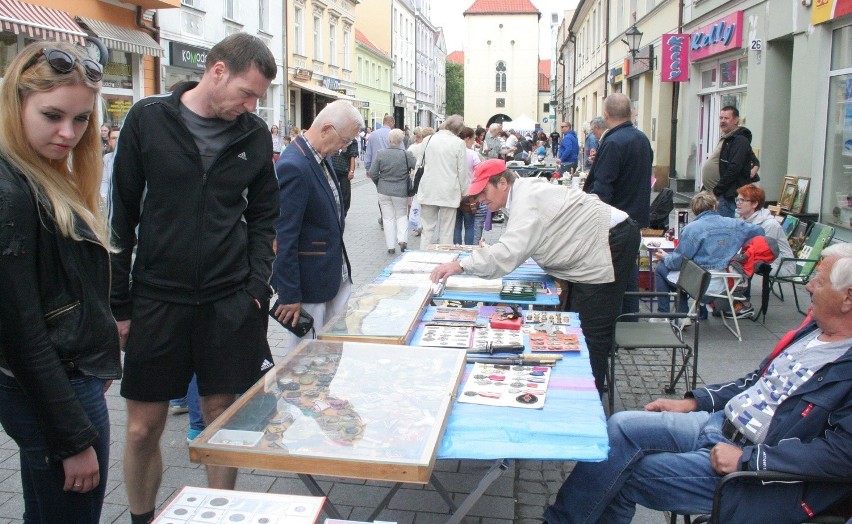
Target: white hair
[[395, 137], [841, 271], [339, 113]]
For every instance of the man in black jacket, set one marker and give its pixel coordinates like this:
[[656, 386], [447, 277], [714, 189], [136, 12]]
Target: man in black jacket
[[621, 173], [735, 160], [193, 177]]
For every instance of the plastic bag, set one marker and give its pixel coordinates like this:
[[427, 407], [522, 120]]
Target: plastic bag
[[414, 215]]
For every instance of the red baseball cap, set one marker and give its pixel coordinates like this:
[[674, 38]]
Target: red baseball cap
[[484, 171]]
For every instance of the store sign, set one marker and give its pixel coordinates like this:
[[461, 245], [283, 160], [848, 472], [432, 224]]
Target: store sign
[[674, 59], [302, 74], [827, 10], [188, 56], [616, 75], [399, 100], [331, 83], [641, 63], [722, 35]]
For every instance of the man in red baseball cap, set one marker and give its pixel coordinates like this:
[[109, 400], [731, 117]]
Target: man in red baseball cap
[[572, 235]]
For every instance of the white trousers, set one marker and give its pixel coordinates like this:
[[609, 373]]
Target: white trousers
[[442, 219], [323, 312], [394, 219]]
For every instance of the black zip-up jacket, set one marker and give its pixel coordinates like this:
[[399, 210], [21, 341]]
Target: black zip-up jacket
[[734, 163], [55, 317], [202, 235]]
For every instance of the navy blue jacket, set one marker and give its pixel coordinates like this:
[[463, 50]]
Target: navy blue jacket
[[621, 173], [810, 434], [309, 261]]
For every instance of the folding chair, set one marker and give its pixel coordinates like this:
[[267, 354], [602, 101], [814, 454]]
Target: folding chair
[[818, 238], [693, 281], [766, 480], [723, 286]]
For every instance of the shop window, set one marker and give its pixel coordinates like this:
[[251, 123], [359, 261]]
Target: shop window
[[837, 184], [728, 74], [708, 78], [742, 71], [119, 71], [115, 108], [8, 50]]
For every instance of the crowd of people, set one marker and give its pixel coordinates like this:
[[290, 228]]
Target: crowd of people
[[100, 253]]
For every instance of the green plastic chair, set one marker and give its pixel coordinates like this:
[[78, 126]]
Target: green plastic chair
[[818, 238]]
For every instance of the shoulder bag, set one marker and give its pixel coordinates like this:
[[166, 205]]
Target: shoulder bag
[[419, 173], [408, 174]]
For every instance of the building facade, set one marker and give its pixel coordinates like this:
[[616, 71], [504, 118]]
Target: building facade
[[320, 54], [373, 69], [500, 61], [188, 33], [587, 33], [131, 70]]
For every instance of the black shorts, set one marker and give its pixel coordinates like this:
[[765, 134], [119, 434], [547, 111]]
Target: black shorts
[[223, 342]]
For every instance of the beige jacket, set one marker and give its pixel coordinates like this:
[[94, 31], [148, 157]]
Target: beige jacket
[[445, 172], [566, 231]]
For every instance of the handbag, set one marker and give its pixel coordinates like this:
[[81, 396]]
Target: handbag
[[419, 173], [468, 205], [411, 190]]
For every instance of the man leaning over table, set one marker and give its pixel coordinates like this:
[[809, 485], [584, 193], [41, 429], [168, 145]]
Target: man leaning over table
[[570, 234], [793, 415]]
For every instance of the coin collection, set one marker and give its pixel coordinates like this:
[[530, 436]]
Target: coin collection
[[506, 386], [544, 342], [556, 317], [216, 506], [446, 336], [454, 314], [354, 402], [511, 291], [485, 337]]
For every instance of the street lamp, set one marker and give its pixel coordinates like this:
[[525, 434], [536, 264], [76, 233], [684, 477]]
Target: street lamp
[[633, 37]]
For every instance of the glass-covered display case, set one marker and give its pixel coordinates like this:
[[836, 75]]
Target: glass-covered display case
[[366, 411], [380, 313]]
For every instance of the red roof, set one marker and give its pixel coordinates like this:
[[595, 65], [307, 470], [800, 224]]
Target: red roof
[[481, 7], [457, 57], [363, 40], [544, 67], [544, 75]]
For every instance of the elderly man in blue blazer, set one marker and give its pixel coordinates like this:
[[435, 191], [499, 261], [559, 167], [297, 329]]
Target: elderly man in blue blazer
[[311, 271]]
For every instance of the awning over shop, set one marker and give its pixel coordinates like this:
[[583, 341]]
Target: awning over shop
[[39, 22], [122, 38], [320, 90]]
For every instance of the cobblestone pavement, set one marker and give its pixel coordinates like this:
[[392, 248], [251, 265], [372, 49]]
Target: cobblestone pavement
[[519, 495]]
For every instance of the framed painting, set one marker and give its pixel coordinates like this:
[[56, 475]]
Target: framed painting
[[788, 195], [788, 179], [802, 184]]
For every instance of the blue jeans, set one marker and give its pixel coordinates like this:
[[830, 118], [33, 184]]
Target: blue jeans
[[658, 460], [479, 223], [662, 285], [727, 207], [42, 480], [463, 218]]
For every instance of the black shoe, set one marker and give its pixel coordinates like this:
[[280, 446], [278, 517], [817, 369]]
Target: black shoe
[[391, 251], [403, 246]]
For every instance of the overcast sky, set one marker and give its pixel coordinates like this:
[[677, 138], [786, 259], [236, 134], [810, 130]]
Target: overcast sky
[[448, 15]]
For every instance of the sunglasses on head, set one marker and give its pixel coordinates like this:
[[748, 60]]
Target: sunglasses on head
[[63, 62]]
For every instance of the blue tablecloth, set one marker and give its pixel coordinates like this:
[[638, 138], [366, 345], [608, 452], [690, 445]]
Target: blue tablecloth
[[571, 426]]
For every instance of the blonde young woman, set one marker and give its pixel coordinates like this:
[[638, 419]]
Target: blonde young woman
[[59, 348]]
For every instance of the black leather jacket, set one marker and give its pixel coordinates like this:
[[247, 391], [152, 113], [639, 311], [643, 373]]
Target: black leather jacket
[[55, 318]]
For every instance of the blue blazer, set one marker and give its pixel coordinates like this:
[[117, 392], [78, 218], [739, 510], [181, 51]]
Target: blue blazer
[[309, 261]]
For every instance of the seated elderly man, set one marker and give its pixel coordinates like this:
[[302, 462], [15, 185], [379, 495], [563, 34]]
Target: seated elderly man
[[570, 234], [710, 241], [793, 414]]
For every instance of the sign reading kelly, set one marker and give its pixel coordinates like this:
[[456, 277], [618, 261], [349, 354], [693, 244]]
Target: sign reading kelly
[[722, 35], [675, 58]]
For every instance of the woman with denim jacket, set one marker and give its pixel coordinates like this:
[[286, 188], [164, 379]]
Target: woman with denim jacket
[[710, 241], [59, 346]]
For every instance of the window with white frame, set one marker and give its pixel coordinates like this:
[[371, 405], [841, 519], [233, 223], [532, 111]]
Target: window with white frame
[[264, 106], [317, 38], [332, 43], [231, 9], [500, 77], [346, 43], [263, 15], [299, 30], [191, 3]]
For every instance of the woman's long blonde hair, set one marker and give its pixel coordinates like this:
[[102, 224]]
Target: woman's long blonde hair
[[71, 185]]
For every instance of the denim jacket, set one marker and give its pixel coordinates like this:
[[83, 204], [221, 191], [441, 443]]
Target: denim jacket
[[711, 241]]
